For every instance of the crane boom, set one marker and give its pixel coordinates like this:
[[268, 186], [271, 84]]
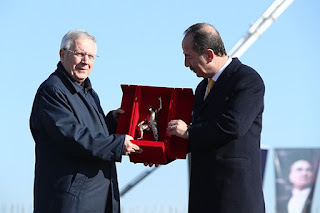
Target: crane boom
[[256, 29]]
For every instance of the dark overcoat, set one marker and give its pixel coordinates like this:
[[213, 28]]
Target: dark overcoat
[[224, 141], [75, 151]]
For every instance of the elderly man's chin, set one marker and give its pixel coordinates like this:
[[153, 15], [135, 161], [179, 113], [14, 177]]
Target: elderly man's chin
[[80, 77]]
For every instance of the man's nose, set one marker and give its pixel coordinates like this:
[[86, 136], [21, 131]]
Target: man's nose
[[186, 62], [85, 59]]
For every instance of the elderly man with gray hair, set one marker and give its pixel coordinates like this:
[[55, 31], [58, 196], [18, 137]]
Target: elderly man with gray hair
[[76, 145]]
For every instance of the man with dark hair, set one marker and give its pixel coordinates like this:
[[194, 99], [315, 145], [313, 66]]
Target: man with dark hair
[[224, 136], [76, 144]]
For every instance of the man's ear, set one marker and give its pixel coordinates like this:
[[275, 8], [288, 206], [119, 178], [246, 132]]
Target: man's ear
[[209, 55], [62, 53]]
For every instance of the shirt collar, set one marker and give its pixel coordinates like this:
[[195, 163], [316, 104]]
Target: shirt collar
[[216, 76], [305, 191], [298, 199]]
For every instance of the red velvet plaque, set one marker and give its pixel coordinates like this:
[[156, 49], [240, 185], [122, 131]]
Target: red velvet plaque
[[176, 104]]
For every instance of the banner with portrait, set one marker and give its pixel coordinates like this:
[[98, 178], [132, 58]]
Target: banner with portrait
[[296, 179]]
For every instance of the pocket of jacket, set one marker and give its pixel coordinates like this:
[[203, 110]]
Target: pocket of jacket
[[77, 184]]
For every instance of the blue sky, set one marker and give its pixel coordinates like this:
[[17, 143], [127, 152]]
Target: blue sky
[[139, 42]]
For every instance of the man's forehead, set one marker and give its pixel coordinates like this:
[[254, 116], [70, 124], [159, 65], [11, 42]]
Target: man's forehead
[[85, 44], [301, 164], [187, 39], [187, 43], [83, 40]]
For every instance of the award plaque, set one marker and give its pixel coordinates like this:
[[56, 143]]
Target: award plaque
[[148, 111]]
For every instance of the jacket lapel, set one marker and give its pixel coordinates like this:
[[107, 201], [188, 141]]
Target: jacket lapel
[[219, 85]]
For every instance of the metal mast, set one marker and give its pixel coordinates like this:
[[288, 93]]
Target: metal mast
[[256, 30]]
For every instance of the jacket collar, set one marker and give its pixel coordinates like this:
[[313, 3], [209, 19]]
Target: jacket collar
[[229, 70], [85, 86]]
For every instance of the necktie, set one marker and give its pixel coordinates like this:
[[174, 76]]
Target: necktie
[[210, 84]]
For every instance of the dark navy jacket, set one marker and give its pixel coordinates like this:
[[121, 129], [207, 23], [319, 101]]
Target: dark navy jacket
[[75, 148], [224, 141]]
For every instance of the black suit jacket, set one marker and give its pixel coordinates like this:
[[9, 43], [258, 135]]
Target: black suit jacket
[[224, 140], [75, 150]]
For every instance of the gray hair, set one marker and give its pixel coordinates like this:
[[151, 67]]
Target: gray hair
[[69, 38]]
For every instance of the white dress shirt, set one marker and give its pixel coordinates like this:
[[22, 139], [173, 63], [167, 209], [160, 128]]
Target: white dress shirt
[[216, 76], [297, 200]]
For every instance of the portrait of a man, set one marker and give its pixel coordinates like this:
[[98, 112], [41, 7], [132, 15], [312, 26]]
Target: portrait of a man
[[296, 173]]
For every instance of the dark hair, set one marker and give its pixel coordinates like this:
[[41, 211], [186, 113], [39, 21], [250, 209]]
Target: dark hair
[[286, 157], [204, 39]]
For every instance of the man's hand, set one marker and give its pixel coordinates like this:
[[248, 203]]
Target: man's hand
[[178, 128], [129, 147]]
